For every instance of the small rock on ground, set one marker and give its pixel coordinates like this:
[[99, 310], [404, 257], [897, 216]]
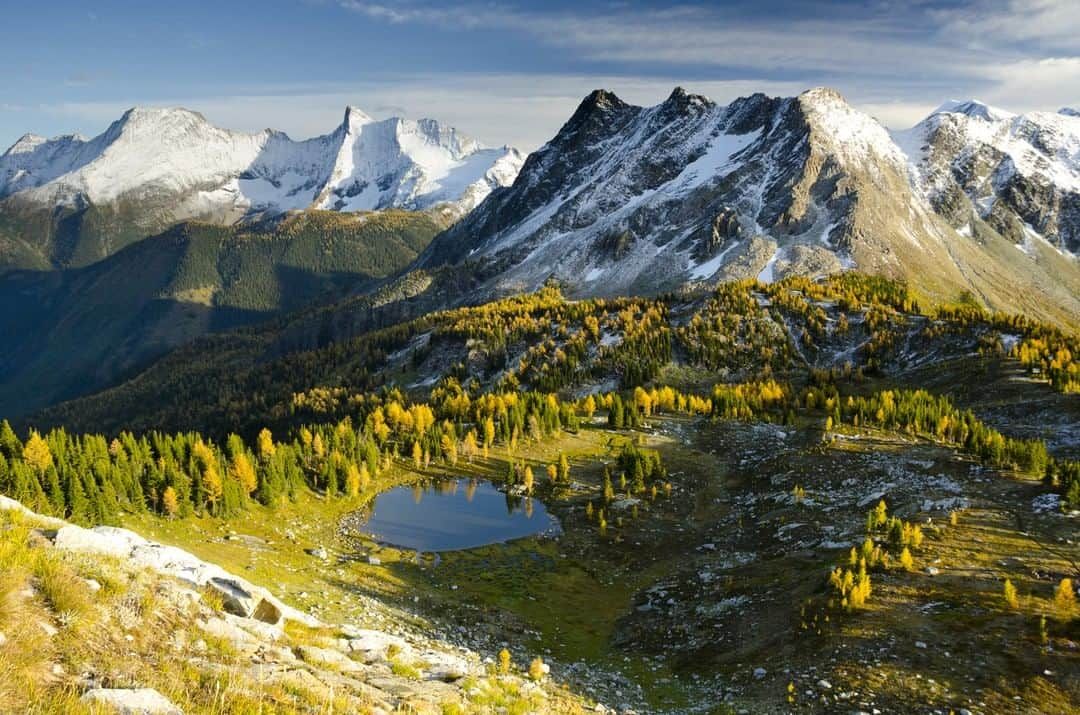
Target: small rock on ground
[[136, 701]]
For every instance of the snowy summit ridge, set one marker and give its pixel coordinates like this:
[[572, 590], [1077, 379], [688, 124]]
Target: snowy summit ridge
[[973, 108], [200, 170]]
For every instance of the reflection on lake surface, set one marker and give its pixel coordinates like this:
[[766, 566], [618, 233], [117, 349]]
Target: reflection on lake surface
[[454, 514]]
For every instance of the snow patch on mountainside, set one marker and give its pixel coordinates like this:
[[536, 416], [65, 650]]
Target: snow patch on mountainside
[[768, 273], [851, 134], [709, 268], [611, 198], [715, 163]]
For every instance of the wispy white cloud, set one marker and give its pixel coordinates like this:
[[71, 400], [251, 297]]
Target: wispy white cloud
[[526, 110], [899, 114], [1052, 23], [698, 35], [896, 61], [1049, 83]]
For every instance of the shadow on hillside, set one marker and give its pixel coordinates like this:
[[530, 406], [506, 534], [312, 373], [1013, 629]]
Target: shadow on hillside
[[72, 333]]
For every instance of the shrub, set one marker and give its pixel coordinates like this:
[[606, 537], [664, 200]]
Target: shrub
[[504, 661], [537, 669], [67, 595], [1009, 592], [405, 670], [1065, 599]]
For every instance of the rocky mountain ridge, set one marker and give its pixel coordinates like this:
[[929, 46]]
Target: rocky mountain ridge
[[628, 199], [1019, 173]]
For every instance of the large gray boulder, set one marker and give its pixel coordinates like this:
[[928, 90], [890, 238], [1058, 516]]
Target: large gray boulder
[[444, 666], [75, 538], [241, 641], [240, 597], [9, 504], [328, 659], [375, 645], [240, 600]]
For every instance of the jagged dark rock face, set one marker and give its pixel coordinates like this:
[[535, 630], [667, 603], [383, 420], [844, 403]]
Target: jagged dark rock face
[[609, 154], [725, 228], [639, 196], [546, 173]]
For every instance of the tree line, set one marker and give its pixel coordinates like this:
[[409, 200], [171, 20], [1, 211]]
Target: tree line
[[91, 479]]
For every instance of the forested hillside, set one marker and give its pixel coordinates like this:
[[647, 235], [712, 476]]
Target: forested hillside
[[821, 344], [75, 331]]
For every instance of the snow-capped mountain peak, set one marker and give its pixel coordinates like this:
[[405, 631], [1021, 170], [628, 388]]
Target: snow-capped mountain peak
[[849, 132], [975, 109], [401, 162], [191, 168], [26, 143], [645, 196], [34, 160], [1069, 112], [355, 117], [161, 117], [681, 97], [1020, 173], [603, 100]]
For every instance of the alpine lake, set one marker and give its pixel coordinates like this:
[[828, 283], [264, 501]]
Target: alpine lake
[[453, 515]]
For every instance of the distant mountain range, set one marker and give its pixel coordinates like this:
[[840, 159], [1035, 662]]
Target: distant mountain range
[[70, 201]]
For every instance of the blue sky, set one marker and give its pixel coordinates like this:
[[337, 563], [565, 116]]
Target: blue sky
[[511, 72]]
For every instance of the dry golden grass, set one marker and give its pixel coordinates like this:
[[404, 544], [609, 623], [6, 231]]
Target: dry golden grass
[[122, 635]]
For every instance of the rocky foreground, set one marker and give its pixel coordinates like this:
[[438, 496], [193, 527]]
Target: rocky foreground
[[103, 618]]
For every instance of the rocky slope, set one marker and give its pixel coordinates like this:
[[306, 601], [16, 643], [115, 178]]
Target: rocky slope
[[71, 200], [631, 199], [103, 620]]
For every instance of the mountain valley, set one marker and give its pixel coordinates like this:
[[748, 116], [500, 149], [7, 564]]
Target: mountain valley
[[789, 400]]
